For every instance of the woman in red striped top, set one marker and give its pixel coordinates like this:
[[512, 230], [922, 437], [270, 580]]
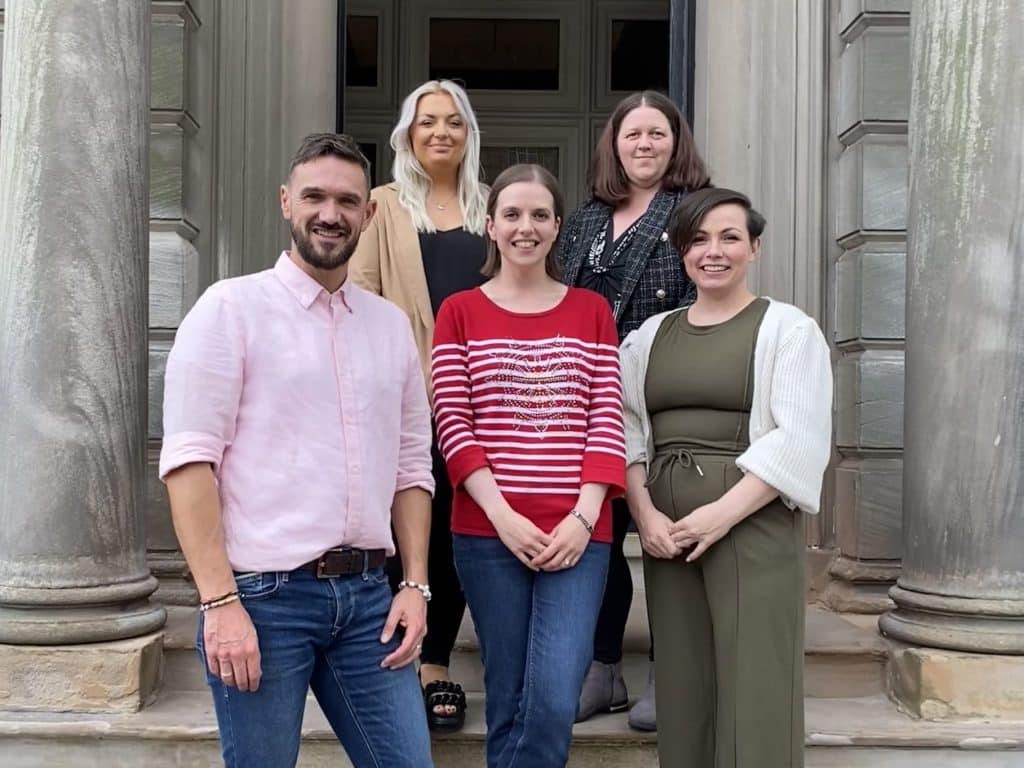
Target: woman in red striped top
[[527, 400]]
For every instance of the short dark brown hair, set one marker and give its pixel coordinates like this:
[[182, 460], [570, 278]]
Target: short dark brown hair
[[515, 174], [685, 171], [686, 219], [339, 145]]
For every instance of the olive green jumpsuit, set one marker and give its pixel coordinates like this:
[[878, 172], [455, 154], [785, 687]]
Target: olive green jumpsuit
[[728, 627]]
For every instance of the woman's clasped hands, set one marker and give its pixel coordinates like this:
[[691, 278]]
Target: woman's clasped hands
[[541, 551], [568, 540], [697, 531]]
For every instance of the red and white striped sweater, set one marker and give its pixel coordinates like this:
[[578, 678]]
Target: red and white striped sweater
[[535, 397]]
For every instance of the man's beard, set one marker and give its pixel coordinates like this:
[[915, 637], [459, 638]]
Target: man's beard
[[318, 260]]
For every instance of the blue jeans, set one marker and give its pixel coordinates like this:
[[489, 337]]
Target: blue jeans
[[536, 633], [324, 635]]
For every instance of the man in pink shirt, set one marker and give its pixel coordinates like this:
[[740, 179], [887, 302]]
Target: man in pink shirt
[[296, 436]]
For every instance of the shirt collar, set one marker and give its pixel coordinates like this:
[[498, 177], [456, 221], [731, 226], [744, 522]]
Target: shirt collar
[[303, 287]]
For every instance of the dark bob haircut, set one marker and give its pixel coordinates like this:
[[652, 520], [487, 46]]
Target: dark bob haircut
[[686, 219], [515, 174], [685, 172], [339, 145]]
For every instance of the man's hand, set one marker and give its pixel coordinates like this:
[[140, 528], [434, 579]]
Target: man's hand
[[232, 648], [409, 611]]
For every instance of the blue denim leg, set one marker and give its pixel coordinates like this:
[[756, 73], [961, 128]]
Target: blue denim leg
[[377, 713], [536, 640], [323, 634], [262, 728]]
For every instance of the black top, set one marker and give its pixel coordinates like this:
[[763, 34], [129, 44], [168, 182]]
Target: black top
[[604, 266], [452, 261]]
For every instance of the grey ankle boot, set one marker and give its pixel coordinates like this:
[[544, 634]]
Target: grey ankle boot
[[604, 690], [643, 715]]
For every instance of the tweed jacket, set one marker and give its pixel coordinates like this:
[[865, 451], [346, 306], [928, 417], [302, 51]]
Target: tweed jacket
[[654, 282], [388, 262]]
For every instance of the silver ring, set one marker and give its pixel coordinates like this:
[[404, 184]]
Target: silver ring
[[226, 675]]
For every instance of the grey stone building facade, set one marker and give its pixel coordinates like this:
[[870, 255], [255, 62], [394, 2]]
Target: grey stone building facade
[[141, 145]]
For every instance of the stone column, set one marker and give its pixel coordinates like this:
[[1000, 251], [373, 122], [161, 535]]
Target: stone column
[[962, 586], [73, 308]]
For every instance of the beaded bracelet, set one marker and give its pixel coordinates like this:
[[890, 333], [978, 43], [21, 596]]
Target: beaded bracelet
[[583, 521], [217, 602], [423, 588]]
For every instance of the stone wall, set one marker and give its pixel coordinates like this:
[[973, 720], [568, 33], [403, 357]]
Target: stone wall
[[182, 215], [870, 89], [815, 130], [761, 107], [235, 87]]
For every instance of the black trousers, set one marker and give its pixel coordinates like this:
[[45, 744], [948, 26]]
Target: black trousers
[[618, 593], [447, 604]]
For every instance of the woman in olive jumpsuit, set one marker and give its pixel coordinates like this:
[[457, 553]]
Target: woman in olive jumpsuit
[[726, 454]]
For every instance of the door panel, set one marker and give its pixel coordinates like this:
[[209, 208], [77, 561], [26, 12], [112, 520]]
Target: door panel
[[542, 74]]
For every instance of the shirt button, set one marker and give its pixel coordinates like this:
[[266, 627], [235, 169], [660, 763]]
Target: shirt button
[[660, 293], [664, 237]]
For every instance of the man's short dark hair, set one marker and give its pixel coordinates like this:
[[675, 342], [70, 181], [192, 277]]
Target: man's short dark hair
[[339, 145]]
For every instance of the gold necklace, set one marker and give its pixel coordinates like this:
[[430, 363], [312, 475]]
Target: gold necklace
[[444, 206]]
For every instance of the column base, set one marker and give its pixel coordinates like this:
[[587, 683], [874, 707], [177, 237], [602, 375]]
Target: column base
[[955, 623], [54, 625], [860, 586], [172, 573], [121, 676], [944, 685]]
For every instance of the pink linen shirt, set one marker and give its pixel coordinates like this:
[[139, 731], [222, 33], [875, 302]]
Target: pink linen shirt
[[310, 406]]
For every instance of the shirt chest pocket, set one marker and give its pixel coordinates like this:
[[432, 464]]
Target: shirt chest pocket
[[379, 376]]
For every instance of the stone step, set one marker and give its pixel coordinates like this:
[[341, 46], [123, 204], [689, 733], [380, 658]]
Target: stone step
[[844, 658], [179, 731]]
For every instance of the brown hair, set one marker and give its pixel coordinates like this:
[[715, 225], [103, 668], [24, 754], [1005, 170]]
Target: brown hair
[[339, 145], [688, 215], [524, 172], [685, 172]]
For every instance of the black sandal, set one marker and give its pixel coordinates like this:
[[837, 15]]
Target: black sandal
[[444, 693]]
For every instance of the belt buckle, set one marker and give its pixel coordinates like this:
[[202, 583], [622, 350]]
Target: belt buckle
[[334, 562]]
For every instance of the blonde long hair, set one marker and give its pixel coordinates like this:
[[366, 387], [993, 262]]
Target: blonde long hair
[[414, 182]]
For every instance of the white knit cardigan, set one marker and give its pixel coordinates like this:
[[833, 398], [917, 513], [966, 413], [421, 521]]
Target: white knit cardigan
[[791, 413]]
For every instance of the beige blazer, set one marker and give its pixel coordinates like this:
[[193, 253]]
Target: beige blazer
[[388, 262]]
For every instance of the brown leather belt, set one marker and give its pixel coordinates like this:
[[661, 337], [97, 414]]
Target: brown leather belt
[[344, 561]]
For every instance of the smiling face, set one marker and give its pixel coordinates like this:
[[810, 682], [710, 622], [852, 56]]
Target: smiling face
[[644, 144], [524, 225], [438, 133], [721, 252], [326, 204]]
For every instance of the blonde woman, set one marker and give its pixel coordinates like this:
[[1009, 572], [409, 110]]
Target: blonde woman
[[425, 243]]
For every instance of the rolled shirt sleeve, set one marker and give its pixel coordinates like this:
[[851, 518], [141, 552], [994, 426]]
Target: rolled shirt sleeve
[[203, 384], [414, 461]]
